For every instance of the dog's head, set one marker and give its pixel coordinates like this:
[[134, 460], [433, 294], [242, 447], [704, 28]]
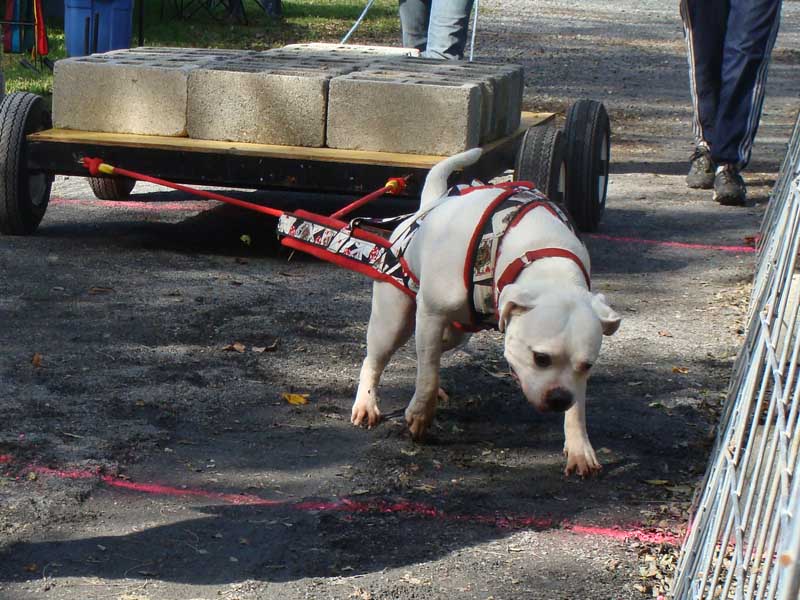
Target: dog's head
[[552, 339]]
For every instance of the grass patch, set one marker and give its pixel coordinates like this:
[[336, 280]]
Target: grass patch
[[302, 21]]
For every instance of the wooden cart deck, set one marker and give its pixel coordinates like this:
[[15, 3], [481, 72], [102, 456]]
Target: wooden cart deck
[[247, 165]]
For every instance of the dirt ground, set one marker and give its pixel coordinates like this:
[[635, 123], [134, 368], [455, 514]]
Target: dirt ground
[[140, 459]]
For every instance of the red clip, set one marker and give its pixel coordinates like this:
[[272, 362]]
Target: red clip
[[395, 185], [93, 164]]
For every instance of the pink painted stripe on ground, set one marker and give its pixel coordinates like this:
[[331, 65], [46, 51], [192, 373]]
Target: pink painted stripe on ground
[[182, 206], [680, 245], [373, 506]]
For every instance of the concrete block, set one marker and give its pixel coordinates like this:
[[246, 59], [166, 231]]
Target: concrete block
[[123, 92], [350, 49], [261, 99], [435, 70], [374, 110], [503, 86], [512, 80]]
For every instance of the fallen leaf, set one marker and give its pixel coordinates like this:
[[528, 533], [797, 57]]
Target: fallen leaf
[[99, 289], [681, 370], [664, 333], [31, 567], [656, 481], [245, 239], [36, 361], [268, 348], [295, 399], [234, 347]]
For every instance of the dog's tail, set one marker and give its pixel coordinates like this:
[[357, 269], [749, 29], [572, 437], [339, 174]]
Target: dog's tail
[[436, 181]]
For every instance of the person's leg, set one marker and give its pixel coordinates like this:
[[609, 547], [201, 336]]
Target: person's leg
[[752, 29], [704, 23], [447, 31], [414, 19]]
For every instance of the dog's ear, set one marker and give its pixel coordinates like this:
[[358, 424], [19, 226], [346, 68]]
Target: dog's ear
[[514, 300], [609, 319]]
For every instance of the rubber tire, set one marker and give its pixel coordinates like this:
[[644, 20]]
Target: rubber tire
[[112, 188], [541, 159], [23, 196], [588, 141]]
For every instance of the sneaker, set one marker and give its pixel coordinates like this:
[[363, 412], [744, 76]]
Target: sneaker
[[701, 171], [729, 188]]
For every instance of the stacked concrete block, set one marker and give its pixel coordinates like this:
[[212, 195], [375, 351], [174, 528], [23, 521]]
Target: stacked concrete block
[[126, 91], [347, 49], [501, 85], [342, 96], [264, 99], [400, 112], [510, 80]]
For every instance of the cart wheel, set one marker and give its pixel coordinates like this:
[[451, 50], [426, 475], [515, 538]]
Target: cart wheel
[[588, 140], [112, 188], [541, 159], [23, 194]]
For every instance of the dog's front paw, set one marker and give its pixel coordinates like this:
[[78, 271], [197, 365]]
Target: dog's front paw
[[366, 413], [581, 459]]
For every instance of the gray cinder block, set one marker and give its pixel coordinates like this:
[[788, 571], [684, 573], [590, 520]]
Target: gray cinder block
[[502, 86], [261, 99], [123, 92], [377, 110], [352, 49]]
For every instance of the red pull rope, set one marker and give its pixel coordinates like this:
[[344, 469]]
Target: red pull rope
[[96, 166], [394, 186]]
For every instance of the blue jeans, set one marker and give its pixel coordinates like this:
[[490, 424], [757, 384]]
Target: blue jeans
[[437, 28]]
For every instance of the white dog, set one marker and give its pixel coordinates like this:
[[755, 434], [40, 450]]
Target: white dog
[[553, 324]]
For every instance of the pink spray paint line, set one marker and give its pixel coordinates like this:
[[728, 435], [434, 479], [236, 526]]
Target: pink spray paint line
[[371, 506], [183, 206], [679, 245]]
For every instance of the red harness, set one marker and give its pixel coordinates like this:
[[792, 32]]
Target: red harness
[[513, 202], [351, 247]]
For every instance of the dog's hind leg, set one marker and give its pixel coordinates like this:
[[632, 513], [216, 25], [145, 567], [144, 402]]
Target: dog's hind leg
[[390, 325], [429, 339]]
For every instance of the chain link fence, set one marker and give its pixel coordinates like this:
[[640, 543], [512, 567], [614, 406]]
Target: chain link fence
[[744, 537]]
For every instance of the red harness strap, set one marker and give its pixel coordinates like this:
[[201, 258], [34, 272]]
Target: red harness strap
[[513, 270]]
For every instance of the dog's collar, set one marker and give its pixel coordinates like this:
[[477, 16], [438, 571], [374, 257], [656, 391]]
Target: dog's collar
[[513, 270]]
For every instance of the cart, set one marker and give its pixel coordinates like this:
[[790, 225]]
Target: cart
[[569, 166]]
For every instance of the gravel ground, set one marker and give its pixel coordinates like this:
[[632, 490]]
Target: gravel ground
[[114, 373]]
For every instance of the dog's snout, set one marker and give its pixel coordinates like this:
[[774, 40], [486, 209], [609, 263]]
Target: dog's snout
[[558, 399]]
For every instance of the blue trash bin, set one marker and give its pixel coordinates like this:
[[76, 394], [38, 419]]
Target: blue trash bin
[[92, 26]]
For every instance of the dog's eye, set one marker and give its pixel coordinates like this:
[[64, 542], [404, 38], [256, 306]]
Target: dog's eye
[[542, 360], [584, 367]]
